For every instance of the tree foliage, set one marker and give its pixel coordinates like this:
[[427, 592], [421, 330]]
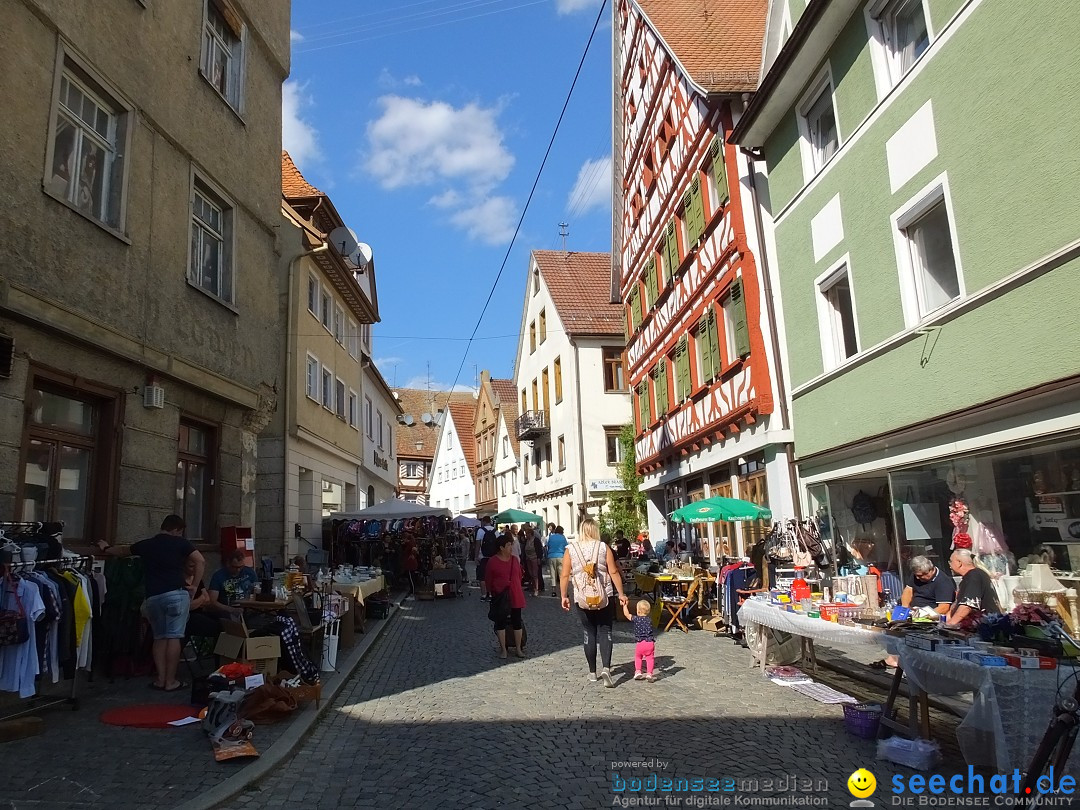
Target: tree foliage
[[625, 510]]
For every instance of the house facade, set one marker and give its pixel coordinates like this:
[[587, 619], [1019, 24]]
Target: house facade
[[924, 306], [140, 327], [494, 397], [416, 436], [571, 387], [507, 447], [454, 472], [312, 456], [703, 360], [379, 470]]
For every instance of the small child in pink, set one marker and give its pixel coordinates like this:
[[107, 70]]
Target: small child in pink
[[646, 641]]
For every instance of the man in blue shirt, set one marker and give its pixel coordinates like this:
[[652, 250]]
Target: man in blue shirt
[[233, 582], [556, 548]]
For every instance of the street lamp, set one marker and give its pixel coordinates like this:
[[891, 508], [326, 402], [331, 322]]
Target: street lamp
[[419, 445]]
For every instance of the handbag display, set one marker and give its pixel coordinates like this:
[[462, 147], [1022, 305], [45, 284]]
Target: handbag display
[[14, 628]]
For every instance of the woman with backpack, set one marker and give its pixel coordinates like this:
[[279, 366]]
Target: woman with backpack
[[590, 561]]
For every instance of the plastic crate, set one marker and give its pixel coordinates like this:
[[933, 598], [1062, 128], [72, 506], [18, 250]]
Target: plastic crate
[[377, 609], [862, 719]]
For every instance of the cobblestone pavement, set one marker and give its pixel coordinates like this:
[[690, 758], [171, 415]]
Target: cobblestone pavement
[[432, 718]]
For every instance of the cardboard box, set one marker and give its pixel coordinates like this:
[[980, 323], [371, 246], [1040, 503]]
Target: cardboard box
[[985, 660], [236, 644], [921, 642], [1030, 662]]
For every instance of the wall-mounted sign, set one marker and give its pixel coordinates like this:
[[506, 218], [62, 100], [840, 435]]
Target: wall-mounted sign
[[381, 462], [606, 485]]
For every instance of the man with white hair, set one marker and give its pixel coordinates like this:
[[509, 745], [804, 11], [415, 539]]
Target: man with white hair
[[930, 587], [975, 597]]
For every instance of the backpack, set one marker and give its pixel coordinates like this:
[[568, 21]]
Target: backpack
[[488, 546], [590, 586], [862, 509]]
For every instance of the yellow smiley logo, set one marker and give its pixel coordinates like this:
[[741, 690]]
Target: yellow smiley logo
[[861, 783]]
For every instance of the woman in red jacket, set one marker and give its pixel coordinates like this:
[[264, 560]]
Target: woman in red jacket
[[503, 580]]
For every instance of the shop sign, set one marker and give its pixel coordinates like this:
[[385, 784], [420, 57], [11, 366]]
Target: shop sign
[[381, 462], [708, 412], [606, 485]]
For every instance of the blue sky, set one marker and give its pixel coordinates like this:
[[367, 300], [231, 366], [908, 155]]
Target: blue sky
[[426, 122]]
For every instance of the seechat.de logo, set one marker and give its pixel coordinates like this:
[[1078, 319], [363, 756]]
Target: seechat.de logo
[[861, 785]]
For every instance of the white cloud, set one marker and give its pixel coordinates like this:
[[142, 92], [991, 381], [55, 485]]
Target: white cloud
[[414, 142], [412, 81], [388, 81], [298, 137], [383, 362], [490, 220], [295, 36], [572, 6], [592, 188]]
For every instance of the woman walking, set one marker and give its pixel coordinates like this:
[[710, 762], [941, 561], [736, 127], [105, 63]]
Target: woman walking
[[590, 562], [529, 542], [503, 579], [556, 550]]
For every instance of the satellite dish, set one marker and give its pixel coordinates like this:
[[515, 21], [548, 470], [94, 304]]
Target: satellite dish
[[427, 419], [343, 240], [401, 419], [361, 256], [409, 421]]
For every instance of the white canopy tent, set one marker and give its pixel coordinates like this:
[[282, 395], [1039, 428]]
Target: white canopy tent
[[393, 509]]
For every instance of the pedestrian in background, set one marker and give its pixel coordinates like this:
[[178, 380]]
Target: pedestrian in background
[[503, 575], [589, 561], [556, 550], [485, 536], [528, 543]]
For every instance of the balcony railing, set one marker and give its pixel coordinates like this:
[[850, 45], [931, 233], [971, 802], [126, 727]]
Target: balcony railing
[[532, 425]]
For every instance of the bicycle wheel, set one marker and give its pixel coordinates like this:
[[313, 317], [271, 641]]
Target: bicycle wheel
[[1051, 755]]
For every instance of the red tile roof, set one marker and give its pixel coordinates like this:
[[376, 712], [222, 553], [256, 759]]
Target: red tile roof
[[464, 414], [293, 184], [719, 42], [580, 287], [508, 399], [416, 402]]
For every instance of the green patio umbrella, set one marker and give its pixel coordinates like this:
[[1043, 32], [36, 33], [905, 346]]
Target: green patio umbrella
[[517, 516], [713, 509]]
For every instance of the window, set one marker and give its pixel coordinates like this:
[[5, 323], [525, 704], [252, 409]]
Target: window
[[524, 401], [193, 479], [502, 485], [313, 378], [327, 389], [354, 417], [532, 337], [836, 317], [223, 52], [379, 421], [339, 398], [648, 277], [313, 295], [660, 388], [365, 337], [669, 251], [547, 458], [535, 396], [211, 242], [717, 177], [86, 166], [562, 453], [614, 446], [817, 121], [369, 429], [449, 440], [694, 211], [928, 251], [736, 328], [558, 379], [682, 369], [525, 468], [412, 470], [327, 310], [614, 377], [543, 325], [339, 325], [352, 339], [506, 448], [544, 387], [708, 347], [904, 34]]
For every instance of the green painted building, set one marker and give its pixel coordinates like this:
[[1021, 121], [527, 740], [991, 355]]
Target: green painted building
[[918, 168]]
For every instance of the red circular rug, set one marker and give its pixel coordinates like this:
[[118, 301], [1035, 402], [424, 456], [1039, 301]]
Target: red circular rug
[[157, 715]]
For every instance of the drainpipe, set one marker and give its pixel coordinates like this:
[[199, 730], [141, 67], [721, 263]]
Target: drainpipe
[[290, 382], [581, 432], [766, 277]]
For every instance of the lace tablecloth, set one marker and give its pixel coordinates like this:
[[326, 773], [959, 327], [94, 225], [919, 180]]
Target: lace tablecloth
[[1010, 711], [757, 611], [360, 590]]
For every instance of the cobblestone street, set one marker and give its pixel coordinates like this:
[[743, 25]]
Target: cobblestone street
[[433, 718]]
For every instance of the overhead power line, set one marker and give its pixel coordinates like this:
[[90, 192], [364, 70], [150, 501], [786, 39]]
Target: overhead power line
[[532, 191]]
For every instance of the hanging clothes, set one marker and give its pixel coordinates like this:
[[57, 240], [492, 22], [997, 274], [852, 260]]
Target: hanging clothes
[[19, 663]]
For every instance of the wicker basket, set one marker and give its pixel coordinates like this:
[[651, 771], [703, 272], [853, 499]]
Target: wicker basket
[[862, 719]]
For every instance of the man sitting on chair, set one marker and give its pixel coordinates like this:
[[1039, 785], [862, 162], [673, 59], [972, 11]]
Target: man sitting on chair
[[233, 581]]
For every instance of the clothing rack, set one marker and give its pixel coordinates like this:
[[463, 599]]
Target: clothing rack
[[39, 702]]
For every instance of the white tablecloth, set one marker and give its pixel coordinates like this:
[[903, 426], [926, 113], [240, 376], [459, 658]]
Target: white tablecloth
[[757, 611], [1011, 707], [360, 590]]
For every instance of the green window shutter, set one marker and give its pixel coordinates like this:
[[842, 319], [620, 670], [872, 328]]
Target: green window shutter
[[682, 369], [643, 404], [714, 341], [650, 283], [635, 306], [661, 388], [719, 170], [625, 326], [669, 263], [742, 329], [704, 347], [695, 211]]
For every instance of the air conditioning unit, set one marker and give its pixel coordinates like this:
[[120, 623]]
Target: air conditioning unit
[[153, 396]]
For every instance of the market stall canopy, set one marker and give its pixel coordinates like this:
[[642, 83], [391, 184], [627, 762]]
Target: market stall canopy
[[713, 509], [517, 516], [392, 510], [466, 522]]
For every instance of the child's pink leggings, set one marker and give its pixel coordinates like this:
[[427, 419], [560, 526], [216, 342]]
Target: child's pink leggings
[[644, 649]]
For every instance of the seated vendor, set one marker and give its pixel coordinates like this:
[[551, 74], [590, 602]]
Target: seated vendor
[[233, 582], [976, 596]]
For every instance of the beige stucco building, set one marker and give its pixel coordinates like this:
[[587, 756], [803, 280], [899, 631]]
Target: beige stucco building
[[139, 319]]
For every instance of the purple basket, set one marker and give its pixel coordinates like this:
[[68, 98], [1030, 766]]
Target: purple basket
[[862, 719]]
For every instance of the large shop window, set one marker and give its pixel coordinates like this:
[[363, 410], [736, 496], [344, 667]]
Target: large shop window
[[67, 457], [194, 478]]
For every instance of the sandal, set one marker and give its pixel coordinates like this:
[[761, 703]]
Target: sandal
[[880, 666], [180, 686]]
